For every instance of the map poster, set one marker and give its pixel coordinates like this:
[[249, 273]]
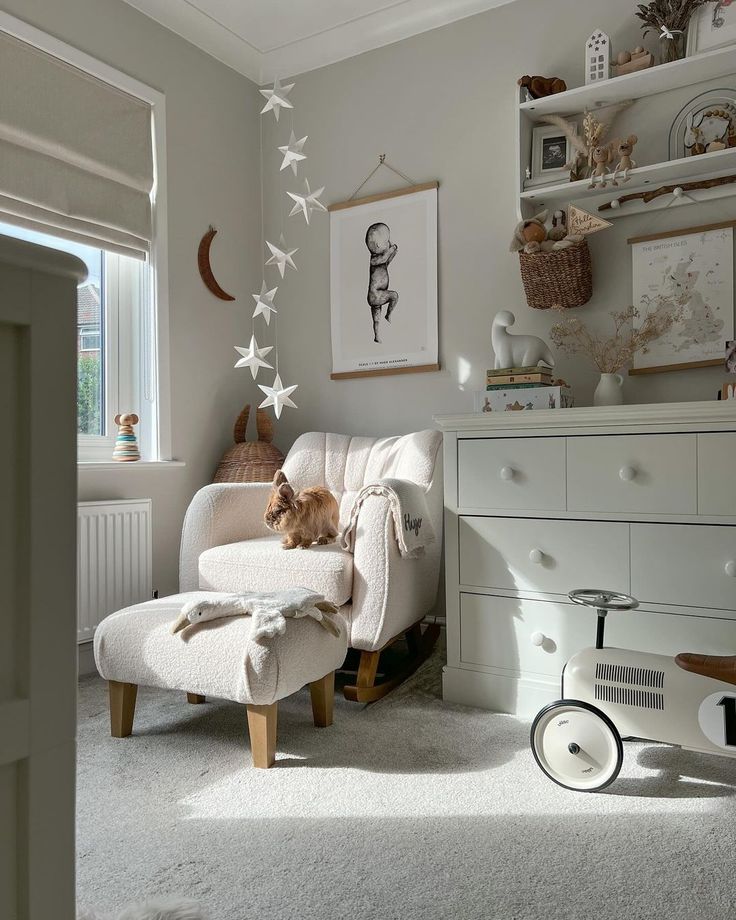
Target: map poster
[[689, 272]]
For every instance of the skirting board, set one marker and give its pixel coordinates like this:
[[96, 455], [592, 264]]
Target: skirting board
[[86, 660], [518, 696]]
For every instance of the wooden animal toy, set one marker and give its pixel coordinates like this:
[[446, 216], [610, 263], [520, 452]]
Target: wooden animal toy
[[539, 87], [631, 61], [625, 161], [516, 350], [126, 443], [601, 157]]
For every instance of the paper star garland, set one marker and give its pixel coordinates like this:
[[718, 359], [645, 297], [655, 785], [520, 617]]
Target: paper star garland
[[276, 98], [293, 152], [253, 356], [281, 257], [306, 203], [277, 396], [264, 303]]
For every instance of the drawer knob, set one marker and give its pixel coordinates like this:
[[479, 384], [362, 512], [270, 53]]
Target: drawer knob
[[730, 568], [538, 638], [507, 473], [537, 556], [627, 473]]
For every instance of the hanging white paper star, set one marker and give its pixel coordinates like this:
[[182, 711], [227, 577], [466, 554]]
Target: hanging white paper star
[[253, 356], [277, 396], [308, 202], [264, 303], [281, 257], [293, 152], [276, 98]]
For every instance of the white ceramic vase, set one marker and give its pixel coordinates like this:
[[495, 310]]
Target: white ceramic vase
[[610, 390]]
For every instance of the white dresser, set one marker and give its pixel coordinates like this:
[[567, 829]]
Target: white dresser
[[639, 499]]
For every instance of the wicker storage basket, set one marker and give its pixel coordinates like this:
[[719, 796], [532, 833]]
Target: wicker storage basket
[[561, 278], [250, 461]]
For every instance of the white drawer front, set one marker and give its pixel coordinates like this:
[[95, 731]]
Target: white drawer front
[[639, 473], [716, 474], [548, 556], [512, 473], [687, 565], [538, 637]]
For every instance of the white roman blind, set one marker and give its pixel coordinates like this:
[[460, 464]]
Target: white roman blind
[[76, 154]]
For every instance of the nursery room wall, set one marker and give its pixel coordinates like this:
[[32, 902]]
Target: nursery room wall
[[441, 106], [213, 177]]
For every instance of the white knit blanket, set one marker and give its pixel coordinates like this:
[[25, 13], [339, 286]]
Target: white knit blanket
[[408, 502], [269, 609]]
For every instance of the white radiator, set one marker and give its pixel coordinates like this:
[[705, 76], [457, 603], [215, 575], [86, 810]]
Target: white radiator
[[113, 559]]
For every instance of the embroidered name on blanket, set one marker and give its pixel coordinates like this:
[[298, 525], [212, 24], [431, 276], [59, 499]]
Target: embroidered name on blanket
[[409, 510]]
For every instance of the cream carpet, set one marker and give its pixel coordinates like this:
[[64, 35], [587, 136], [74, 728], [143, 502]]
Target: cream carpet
[[409, 808]]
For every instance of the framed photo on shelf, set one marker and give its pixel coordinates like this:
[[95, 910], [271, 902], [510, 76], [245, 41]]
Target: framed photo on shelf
[[551, 150], [383, 284], [712, 26], [689, 272]]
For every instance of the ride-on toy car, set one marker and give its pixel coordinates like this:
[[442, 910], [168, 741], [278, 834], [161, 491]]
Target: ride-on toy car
[[611, 693]]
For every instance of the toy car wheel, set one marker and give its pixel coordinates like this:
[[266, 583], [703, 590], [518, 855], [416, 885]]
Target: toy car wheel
[[577, 745]]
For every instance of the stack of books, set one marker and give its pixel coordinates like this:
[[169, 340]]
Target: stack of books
[[515, 389]]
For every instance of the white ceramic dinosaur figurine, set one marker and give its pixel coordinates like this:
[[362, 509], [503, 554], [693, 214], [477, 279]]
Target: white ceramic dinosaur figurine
[[517, 350]]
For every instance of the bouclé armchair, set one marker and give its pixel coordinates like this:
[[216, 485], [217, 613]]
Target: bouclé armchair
[[381, 594]]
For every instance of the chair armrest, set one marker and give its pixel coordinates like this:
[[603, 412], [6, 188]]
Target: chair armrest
[[220, 513], [391, 592]]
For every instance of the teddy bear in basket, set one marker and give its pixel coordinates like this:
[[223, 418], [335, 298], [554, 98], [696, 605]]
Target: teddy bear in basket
[[532, 236]]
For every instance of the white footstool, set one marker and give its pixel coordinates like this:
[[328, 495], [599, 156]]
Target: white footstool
[[218, 658]]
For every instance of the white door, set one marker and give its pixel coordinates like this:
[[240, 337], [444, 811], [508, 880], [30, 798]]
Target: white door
[[37, 580]]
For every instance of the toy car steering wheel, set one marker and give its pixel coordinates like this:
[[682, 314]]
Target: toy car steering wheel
[[603, 600]]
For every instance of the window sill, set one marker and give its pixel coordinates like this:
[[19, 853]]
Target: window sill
[[98, 466]]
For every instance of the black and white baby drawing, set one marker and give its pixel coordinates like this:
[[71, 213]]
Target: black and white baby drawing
[[382, 250]]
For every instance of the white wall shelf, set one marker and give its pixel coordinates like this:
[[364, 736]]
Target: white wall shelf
[[658, 79], [686, 169]]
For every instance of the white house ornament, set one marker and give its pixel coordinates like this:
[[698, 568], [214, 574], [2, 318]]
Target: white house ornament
[[306, 203], [281, 255], [276, 98], [293, 152], [264, 303], [277, 396], [253, 356], [597, 57]]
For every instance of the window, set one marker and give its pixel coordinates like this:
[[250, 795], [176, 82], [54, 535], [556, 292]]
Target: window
[[79, 189], [113, 323]]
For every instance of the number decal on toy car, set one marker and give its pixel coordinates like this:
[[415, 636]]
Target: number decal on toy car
[[717, 718], [729, 719]]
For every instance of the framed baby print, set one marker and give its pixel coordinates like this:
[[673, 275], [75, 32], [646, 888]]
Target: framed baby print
[[383, 283]]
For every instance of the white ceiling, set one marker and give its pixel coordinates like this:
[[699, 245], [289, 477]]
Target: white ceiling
[[264, 39]]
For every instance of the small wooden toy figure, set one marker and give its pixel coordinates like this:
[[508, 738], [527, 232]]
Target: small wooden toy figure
[[601, 157], [126, 443], [625, 162]]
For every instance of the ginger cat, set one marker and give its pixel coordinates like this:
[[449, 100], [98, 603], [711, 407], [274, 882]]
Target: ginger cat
[[303, 517]]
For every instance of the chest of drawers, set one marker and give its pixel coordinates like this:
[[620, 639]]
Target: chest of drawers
[[639, 499]]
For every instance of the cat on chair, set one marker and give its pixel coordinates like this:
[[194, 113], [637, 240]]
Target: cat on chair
[[303, 517]]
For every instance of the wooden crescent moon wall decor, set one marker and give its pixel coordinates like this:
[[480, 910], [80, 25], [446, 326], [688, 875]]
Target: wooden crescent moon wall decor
[[205, 269]]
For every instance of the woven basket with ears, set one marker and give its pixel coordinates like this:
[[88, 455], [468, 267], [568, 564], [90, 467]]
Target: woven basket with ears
[[560, 278], [250, 461]]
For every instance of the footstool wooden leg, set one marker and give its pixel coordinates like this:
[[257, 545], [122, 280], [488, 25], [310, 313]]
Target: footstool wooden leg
[[262, 729], [323, 698], [196, 698], [122, 708]]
